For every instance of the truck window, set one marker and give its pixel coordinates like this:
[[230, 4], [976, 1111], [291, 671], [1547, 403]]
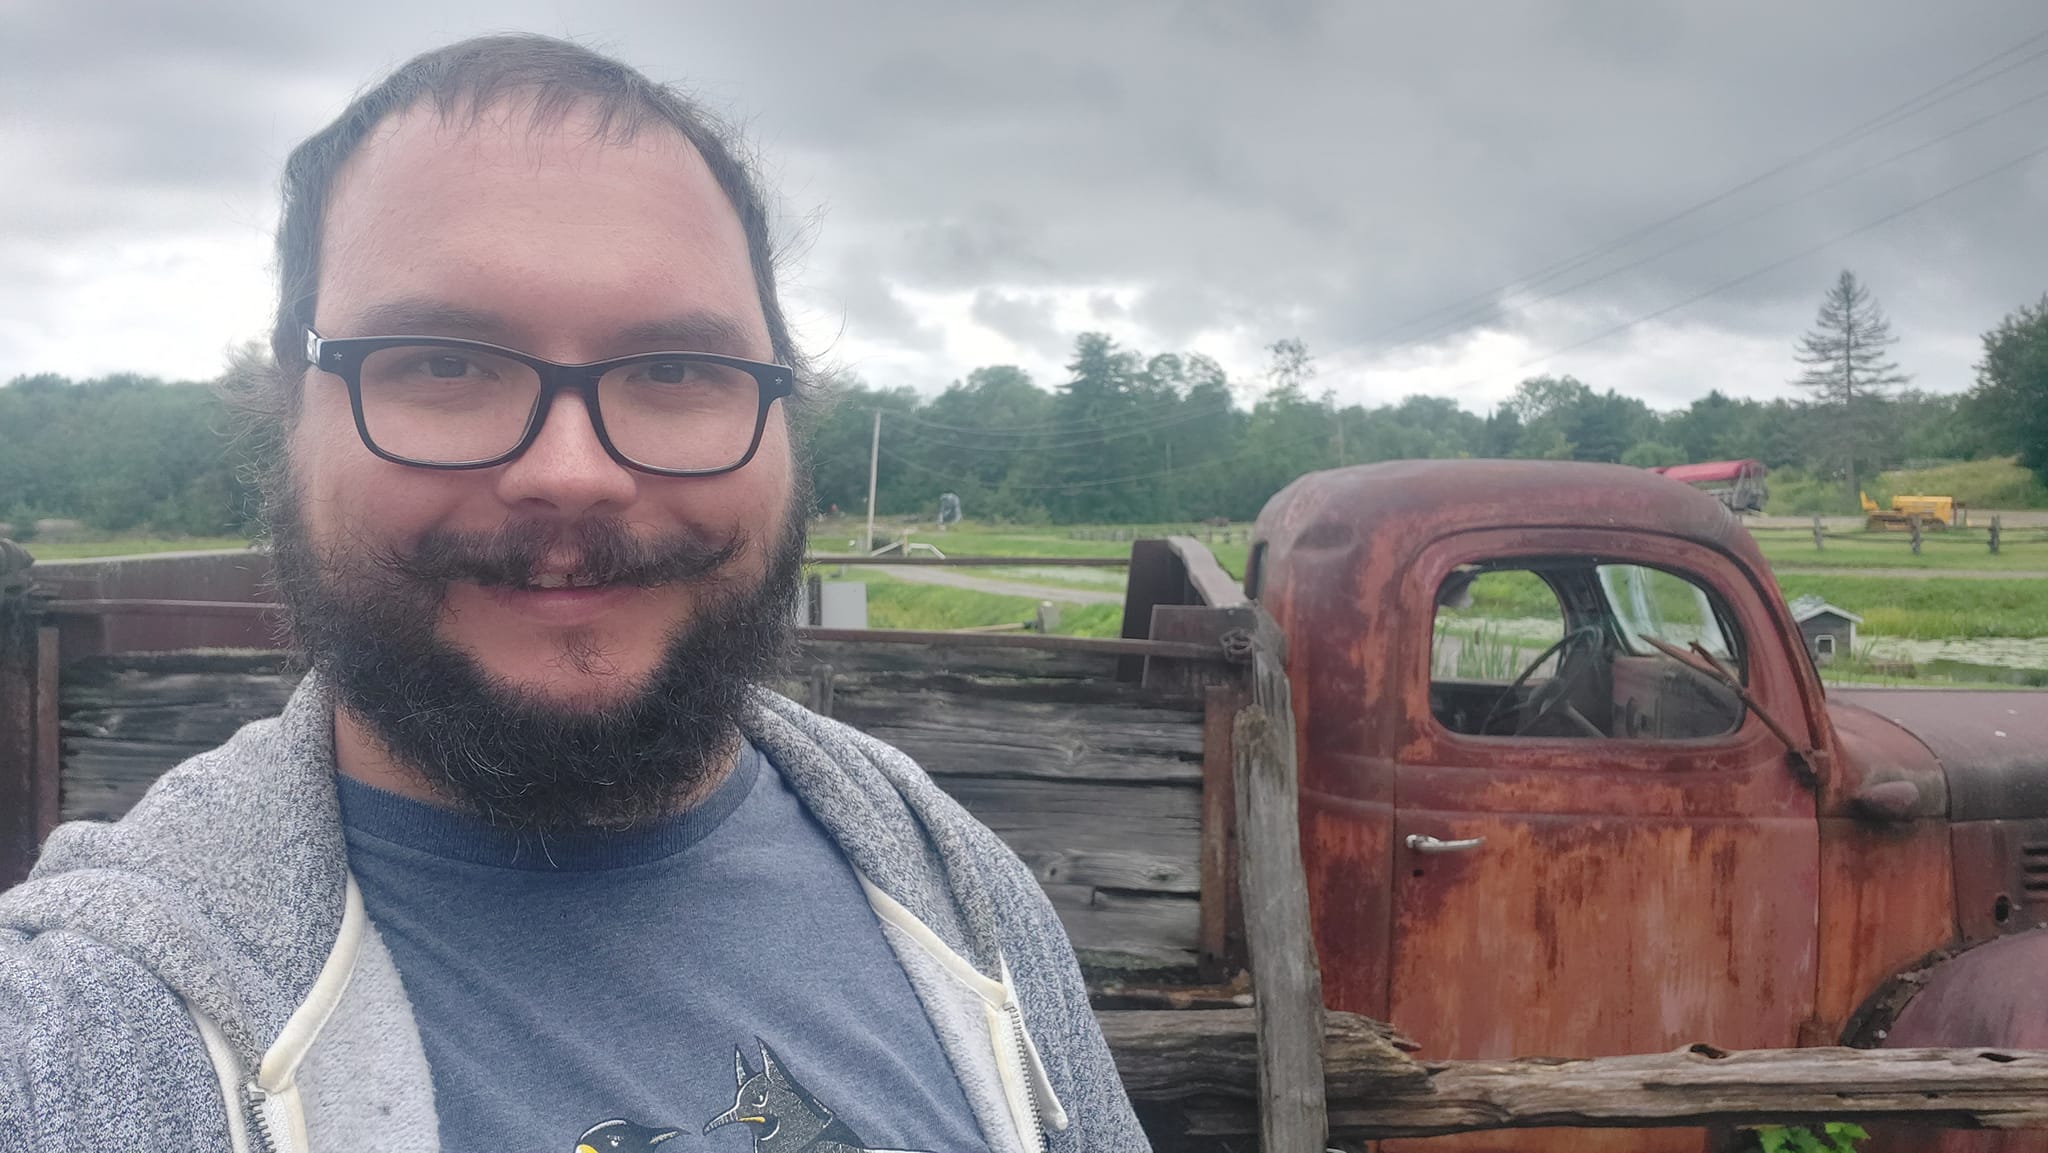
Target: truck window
[[1560, 648], [1650, 602]]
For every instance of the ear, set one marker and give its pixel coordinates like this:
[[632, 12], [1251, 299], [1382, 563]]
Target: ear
[[769, 1065], [739, 1068]]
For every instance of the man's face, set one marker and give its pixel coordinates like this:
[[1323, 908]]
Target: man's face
[[571, 249]]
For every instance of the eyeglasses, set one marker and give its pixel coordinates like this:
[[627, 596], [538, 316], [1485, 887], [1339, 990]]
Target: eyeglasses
[[464, 404]]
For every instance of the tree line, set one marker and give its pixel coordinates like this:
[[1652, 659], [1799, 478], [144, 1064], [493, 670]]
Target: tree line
[[1126, 436]]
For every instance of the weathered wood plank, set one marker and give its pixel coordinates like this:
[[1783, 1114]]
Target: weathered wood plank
[[1220, 942], [1123, 647], [852, 657], [822, 685], [1207, 580], [1285, 978], [1171, 1055], [1144, 936], [49, 748], [1198, 624], [1206, 1061], [1068, 816], [955, 734], [20, 791], [1007, 687]]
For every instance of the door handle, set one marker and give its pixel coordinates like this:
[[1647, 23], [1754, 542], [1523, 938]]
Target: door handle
[[1424, 843]]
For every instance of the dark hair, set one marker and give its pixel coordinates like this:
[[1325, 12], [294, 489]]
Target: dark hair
[[553, 78]]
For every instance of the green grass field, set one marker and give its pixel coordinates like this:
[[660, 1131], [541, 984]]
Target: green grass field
[[2021, 550], [901, 604], [1933, 609], [973, 538], [1995, 483]]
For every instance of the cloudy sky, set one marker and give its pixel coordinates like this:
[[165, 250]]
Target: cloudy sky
[[1438, 198]]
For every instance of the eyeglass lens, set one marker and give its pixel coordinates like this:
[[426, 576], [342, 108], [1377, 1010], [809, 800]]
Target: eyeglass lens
[[443, 405]]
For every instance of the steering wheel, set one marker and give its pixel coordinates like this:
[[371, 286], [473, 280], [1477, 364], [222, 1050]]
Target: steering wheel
[[1555, 691]]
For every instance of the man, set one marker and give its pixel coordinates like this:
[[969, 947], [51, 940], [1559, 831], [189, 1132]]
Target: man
[[529, 861]]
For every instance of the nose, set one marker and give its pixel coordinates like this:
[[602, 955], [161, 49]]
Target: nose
[[566, 470]]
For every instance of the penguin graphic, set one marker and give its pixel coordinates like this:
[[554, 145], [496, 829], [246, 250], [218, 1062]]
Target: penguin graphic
[[622, 1136], [787, 1118]]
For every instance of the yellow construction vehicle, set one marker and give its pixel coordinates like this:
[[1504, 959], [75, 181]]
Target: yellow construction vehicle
[[1935, 512]]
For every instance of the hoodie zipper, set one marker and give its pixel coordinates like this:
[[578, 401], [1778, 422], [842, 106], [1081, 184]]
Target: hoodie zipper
[[1017, 1038], [262, 1139]]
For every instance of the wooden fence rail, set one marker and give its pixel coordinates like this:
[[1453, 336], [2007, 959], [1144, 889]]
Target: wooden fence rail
[[1194, 1073]]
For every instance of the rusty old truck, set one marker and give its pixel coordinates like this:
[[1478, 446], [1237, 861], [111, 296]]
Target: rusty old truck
[[1660, 826], [1569, 781]]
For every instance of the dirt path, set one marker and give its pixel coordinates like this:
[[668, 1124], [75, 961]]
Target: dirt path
[[959, 580], [1970, 574]]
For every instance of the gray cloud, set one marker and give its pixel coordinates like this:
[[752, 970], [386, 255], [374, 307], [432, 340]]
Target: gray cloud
[[1026, 321], [1338, 171]]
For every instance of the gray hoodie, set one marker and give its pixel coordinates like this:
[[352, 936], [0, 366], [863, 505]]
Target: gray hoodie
[[200, 974]]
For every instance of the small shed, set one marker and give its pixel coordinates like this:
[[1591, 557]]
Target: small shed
[[1827, 628]]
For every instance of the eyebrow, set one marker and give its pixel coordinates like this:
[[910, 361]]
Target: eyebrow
[[697, 331]]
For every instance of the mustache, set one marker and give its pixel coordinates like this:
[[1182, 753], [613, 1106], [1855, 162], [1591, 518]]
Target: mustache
[[603, 550]]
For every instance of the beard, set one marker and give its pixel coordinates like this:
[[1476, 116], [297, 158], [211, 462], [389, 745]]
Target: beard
[[367, 620]]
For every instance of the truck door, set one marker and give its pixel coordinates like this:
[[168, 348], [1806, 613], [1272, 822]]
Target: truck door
[[1598, 849]]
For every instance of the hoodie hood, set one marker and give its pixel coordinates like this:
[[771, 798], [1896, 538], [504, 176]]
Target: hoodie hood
[[227, 879]]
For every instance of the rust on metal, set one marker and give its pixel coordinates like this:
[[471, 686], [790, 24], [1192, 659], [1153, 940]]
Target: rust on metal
[[1873, 750], [1611, 903], [2001, 872], [1993, 746], [1992, 996], [1887, 898], [213, 577]]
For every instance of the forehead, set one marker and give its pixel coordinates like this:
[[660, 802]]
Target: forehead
[[554, 228]]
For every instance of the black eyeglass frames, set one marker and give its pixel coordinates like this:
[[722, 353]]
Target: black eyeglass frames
[[459, 404]]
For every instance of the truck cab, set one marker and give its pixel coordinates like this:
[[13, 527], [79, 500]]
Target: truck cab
[[1571, 785]]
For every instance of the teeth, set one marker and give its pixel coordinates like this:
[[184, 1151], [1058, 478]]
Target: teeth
[[562, 580]]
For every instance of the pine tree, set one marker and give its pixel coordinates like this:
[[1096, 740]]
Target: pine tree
[[1844, 355]]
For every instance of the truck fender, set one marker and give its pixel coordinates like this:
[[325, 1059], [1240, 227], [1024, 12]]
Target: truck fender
[[1992, 995]]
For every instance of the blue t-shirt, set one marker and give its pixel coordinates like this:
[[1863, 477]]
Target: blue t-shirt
[[718, 978]]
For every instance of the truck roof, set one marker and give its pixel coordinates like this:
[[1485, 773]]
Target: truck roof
[[1421, 500]]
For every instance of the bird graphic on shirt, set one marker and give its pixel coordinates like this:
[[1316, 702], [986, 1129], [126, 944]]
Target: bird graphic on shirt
[[621, 1136], [788, 1118]]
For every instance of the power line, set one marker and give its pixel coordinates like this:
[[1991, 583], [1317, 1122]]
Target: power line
[[1905, 110], [1059, 426], [1472, 319], [1793, 258]]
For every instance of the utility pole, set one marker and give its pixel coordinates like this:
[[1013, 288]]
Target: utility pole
[[874, 465]]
